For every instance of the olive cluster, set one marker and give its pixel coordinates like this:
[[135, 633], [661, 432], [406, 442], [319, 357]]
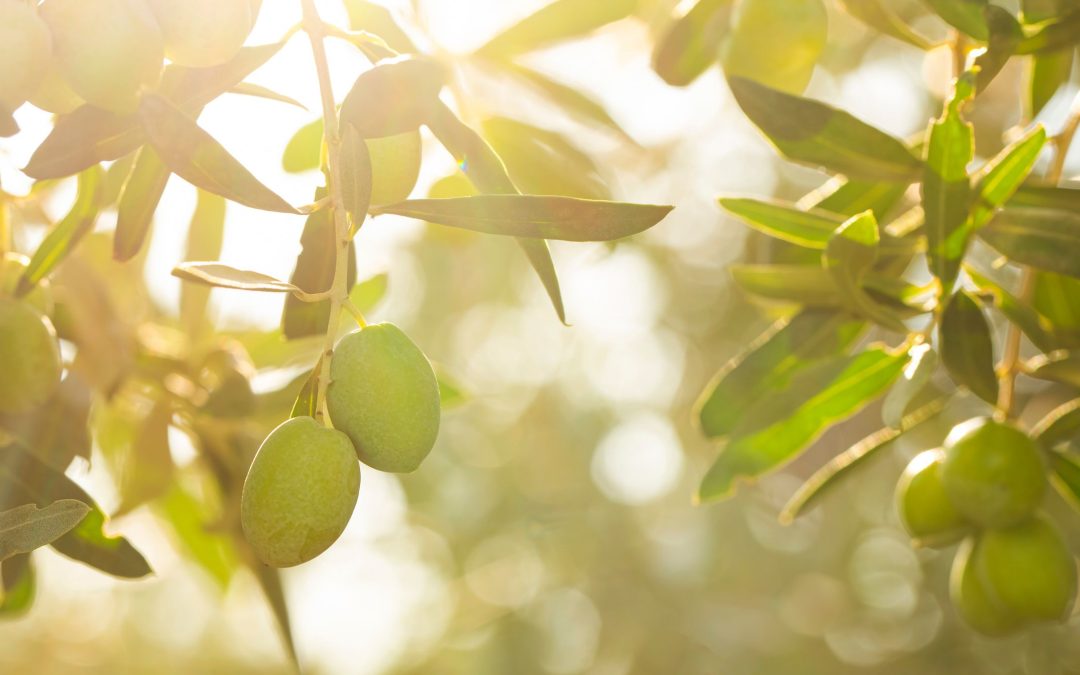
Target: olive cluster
[[984, 489], [300, 491], [63, 53]]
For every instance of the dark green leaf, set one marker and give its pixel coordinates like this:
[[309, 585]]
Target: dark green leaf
[[841, 466], [140, 199], [877, 14], [63, 238], [19, 583], [1048, 239], [811, 228], [394, 97], [689, 46], [538, 217], [809, 285], [1048, 73], [195, 156], [25, 528], [488, 174], [1057, 298], [1037, 327], [27, 480], [811, 132], [967, 347], [849, 255], [965, 15], [770, 362], [946, 190], [858, 380], [1004, 38], [223, 276], [1053, 36], [1059, 425], [558, 21], [314, 273]]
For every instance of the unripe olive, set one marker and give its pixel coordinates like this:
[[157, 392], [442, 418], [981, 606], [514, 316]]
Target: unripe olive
[[299, 493], [973, 599], [1028, 569], [923, 506], [203, 33], [12, 266], [993, 472], [29, 357], [775, 42], [25, 46], [383, 394], [395, 166], [105, 49]]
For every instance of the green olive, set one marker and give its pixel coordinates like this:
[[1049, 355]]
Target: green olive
[[972, 598], [383, 394], [12, 266], [993, 472], [106, 50], [299, 493], [29, 357], [203, 33], [924, 508], [1028, 569], [395, 166], [25, 45], [775, 42]]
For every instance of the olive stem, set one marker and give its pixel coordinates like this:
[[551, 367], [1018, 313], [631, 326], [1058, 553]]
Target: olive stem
[[316, 31], [355, 311], [1010, 363]]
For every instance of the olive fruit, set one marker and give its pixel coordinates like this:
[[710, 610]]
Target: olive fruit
[[993, 472], [395, 166], [1028, 569], [973, 599], [203, 33], [384, 396], [775, 42], [12, 267], [25, 45], [105, 49], [29, 357], [923, 506], [299, 493]]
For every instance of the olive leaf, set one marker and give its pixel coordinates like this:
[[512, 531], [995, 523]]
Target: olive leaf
[[879, 15], [558, 21], [967, 346], [314, 273], [356, 177], [1059, 425], [690, 44], [377, 19], [19, 583], [393, 97], [259, 91], [996, 182], [1046, 239], [223, 276], [915, 378], [303, 149], [1059, 366], [25, 528], [140, 198], [195, 156], [967, 16], [532, 216]]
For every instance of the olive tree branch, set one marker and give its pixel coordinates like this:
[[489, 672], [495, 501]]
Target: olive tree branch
[[316, 31]]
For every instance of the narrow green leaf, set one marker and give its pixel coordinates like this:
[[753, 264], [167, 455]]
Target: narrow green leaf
[[259, 91], [206, 234], [1047, 239], [67, 234], [859, 380], [304, 148], [1058, 426], [912, 381], [488, 174], [829, 476], [27, 480], [314, 273], [809, 285], [965, 15], [20, 585], [1005, 35], [690, 45], [997, 180], [1053, 36], [195, 156], [25, 528], [1046, 196], [538, 217], [394, 97], [1065, 476], [451, 393], [877, 14], [270, 581], [1057, 297], [140, 199], [91, 135], [307, 402], [223, 276], [967, 347], [769, 363], [1037, 327], [1048, 73], [148, 467], [556, 22], [848, 257], [543, 162], [356, 177], [850, 197], [946, 190], [1057, 366], [811, 132], [376, 19], [811, 228]]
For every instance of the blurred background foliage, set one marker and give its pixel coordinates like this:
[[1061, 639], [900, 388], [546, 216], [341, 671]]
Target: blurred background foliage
[[551, 530]]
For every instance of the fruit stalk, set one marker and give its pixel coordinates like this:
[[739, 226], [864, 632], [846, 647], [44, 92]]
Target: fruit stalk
[[1010, 364], [316, 31]]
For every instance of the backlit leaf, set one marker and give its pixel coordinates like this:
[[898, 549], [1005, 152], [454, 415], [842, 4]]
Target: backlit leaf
[[25, 528], [20, 585], [206, 234], [140, 199], [967, 16], [999, 178], [879, 15], [690, 45], [314, 273], [555, 22], [394, 97], [223, 276], [1048, 239], [967, 346]]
